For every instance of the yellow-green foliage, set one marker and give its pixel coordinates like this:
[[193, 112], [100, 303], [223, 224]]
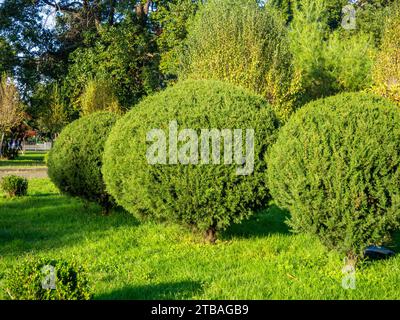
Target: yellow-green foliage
[[387, 68], [54, 117], [11, 107], [244, 44], [98, 96], [327, 62], [25, 281]]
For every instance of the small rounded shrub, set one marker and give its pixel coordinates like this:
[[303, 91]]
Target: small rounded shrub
[[47, 279], [9, 153], [14, 186], [74, 163], [336, 168], [207, 196]]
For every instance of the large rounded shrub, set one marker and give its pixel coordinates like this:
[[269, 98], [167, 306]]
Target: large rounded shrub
[[47, 279], [75, 160], [207, 196], [336, 168]]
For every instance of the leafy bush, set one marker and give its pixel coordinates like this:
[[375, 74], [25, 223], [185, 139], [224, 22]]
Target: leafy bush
[[74, 163], [242, 43], [50, 110], [98, 96], [125, 55], [9, 153], [371, 16], [327, 62], [209, 197], [336, 168], [14, 186], [174, 31], [387, 68], [47, 279]]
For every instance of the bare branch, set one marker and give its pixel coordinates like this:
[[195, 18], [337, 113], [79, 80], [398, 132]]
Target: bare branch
[[72, 7]]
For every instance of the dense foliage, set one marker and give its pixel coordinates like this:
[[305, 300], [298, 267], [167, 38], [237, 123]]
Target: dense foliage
[[7, 56], [124, 57], [336, 168], [75, 161], [14, 186], [66, 59], [33, 280], [328, 62], [291, 52], [50, 110], [171, 20], [207, 196], [387, 68], [244, 44], [98, 96]]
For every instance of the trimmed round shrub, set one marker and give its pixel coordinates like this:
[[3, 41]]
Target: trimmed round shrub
[[336, 168], [46, 279], [207, 196], [75, 161], [14, 186]]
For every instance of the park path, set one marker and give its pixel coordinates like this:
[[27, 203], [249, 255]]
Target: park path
[[28, 173]]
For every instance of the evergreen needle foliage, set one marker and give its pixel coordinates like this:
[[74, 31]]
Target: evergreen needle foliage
[[207, 196], [336, 168], [75, 160]]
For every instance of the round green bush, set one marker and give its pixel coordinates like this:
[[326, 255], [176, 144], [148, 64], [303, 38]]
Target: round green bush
[[74, 163], [46, 279], [336, 168], [207, 196], [14, 186]]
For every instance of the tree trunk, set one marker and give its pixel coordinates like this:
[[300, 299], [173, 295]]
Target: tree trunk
[[211, 235], [112, 13], [1, 144], [142, 10]]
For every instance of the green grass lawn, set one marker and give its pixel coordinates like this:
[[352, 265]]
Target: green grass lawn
[[126, 259], [29, 159]]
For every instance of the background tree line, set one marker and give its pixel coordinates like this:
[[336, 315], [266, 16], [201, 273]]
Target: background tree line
[[66, 58]]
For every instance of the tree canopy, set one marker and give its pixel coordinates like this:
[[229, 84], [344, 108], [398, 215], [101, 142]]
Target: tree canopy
[[290, 51]]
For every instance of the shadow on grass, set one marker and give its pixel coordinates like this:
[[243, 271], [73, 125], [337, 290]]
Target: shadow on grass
[[266, 222], [25, 160], [394, 244], [163, 291], [40, 223]]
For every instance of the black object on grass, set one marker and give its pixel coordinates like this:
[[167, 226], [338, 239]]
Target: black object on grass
[[376, 252]]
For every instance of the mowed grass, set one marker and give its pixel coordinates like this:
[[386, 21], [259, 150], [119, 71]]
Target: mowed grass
[[28, 159], [126, 259]]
